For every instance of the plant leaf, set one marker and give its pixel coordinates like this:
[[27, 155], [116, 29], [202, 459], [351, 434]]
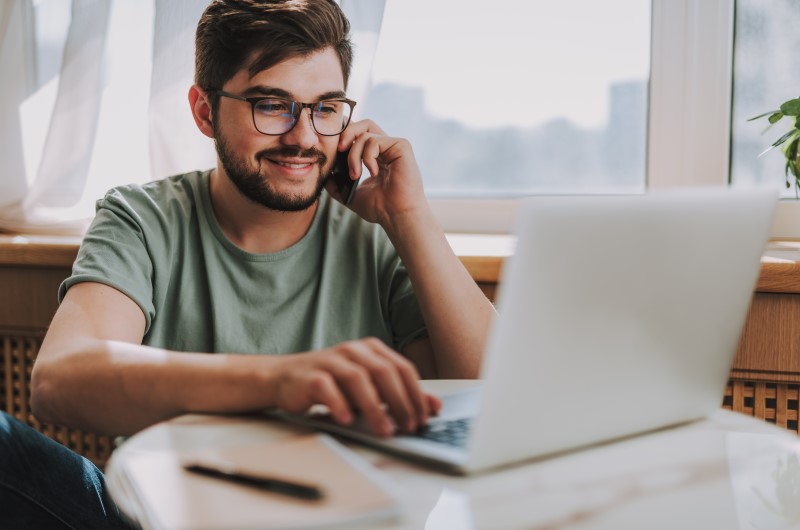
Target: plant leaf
[[783, 138], [775, 118], [791, 107], [765, 151], [790, 144], [790, 149], [765, 114]]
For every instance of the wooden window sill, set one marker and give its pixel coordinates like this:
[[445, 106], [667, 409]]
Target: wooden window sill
[[482, 255], [38, 251]]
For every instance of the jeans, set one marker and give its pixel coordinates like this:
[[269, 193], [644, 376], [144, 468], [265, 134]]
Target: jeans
[[44, 485]]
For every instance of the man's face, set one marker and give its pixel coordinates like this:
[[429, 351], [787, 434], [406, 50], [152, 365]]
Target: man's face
[[286, 172]]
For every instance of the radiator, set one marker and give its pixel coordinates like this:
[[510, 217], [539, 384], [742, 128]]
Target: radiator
[[18, 351]]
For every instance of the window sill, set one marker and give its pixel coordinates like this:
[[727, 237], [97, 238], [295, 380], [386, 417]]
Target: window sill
[[38, 251], [482, 255], [780, 268]]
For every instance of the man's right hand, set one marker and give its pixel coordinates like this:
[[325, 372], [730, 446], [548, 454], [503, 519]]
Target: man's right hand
[[361, 375], [93, 373]]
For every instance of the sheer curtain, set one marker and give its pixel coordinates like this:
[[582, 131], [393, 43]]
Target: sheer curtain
[[117, 112]]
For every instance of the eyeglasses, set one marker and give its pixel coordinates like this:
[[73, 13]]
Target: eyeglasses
[[275, 116]]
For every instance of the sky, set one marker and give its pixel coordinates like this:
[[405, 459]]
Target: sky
[[535, 60]]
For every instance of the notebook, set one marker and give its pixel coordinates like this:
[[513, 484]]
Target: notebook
[[163, 495], [617, 315]]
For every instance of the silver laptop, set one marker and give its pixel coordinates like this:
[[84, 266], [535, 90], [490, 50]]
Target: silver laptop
[[617, 315]]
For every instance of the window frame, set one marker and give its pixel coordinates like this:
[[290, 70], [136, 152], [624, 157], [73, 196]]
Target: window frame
[[689, 116], [691, 69]]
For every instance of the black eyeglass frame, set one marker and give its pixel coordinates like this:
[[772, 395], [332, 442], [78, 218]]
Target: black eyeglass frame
[[296, 104]]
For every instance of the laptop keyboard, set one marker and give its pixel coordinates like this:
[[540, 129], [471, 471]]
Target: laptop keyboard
[[450, 432]]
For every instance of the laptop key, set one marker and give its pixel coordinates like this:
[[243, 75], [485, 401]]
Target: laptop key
[[450, 432]]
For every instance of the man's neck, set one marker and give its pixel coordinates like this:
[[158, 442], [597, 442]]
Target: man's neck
[[252, 227]]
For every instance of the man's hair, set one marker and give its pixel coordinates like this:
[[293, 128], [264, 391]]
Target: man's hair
[[258, 34]]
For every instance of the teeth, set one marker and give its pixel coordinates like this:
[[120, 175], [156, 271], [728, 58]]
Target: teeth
[[292, 166]]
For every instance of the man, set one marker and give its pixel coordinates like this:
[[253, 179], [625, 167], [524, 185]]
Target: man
[[259, 256]]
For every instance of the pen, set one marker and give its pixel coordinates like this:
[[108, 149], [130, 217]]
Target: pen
[[292, 489]]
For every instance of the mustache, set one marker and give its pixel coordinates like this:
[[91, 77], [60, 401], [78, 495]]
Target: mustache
[[289, 151]]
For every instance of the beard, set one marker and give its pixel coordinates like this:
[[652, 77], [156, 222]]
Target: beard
[[255, 187]]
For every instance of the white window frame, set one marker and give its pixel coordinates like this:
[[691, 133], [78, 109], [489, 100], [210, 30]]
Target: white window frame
[[688, 144], [689, 111]]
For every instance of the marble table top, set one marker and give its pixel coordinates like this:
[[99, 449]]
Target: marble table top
[[726, 472]]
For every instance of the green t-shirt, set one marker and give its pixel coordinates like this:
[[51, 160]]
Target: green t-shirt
[[161, 245]]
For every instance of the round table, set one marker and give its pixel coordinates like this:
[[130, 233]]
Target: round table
[[726, 472]]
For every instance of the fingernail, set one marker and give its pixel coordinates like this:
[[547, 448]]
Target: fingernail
[[388, 427]]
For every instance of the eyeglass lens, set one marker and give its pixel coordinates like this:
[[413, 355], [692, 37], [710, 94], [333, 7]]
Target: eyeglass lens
[[277, 116]]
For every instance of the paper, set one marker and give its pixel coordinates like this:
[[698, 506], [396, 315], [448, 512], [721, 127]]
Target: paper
[[169, 497]]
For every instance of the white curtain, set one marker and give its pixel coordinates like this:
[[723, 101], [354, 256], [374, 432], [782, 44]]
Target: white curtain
[[118, 112], [176, 146], [13, 184]]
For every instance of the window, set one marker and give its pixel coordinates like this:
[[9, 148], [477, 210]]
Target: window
[[667, 92], [513, 98], [500, 100], [764, 76]]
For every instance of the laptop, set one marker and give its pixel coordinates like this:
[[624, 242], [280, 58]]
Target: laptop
[[617, 315]]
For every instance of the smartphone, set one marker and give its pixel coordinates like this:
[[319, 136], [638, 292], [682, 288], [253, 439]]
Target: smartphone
[[341, 175]]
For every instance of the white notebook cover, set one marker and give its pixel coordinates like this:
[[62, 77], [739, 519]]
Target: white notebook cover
[[166, 496]]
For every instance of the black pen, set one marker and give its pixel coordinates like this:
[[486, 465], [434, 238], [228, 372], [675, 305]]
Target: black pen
[[275, 485]]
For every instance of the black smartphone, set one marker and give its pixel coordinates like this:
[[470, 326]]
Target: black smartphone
[[341, 175]]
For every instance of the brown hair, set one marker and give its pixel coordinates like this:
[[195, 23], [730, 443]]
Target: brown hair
[[258, 34]]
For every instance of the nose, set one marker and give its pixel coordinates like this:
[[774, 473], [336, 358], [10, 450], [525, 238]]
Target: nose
[[302, 134]]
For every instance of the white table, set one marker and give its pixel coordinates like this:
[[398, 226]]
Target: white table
[[727, 472]]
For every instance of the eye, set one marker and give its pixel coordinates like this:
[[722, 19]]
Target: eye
[[327, 109], [274, 107]]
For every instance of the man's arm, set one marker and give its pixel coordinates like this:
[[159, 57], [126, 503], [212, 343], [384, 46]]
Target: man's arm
[[93, 373], [456, 311]]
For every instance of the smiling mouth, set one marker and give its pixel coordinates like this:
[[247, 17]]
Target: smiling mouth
[[292, 165]]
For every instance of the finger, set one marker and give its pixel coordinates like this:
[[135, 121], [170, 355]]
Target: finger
[[354, 156], [323, 389], [372, 150], [387, 374], [434, 404], [356, 383], [354, 163], [373, 128], [356, 129], [409, 378]]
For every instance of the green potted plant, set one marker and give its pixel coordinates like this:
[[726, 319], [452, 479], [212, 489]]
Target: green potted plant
[[789, 141]]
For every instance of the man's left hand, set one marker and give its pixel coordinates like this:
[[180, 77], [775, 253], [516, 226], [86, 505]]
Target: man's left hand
[[395, 187]]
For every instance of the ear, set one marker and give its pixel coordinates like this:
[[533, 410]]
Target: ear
[[201, 110]]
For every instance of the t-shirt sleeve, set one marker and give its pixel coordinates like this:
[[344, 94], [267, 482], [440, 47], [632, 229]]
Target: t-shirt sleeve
[[404, 312], [114, 252]]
